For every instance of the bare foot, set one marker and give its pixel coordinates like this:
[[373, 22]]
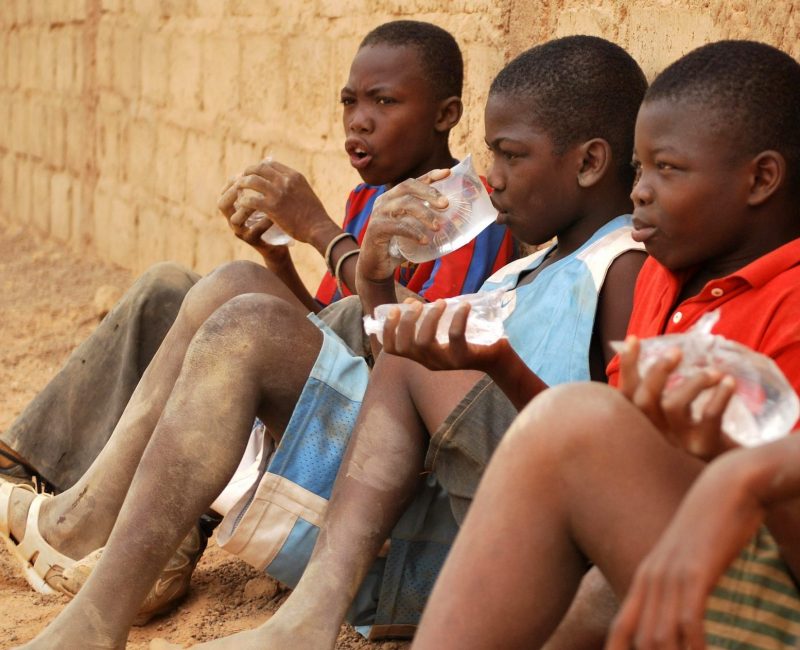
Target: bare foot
[[272, 635], [77, 628]]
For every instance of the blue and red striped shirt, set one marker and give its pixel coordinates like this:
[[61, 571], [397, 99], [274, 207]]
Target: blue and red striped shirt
[[462, 271]]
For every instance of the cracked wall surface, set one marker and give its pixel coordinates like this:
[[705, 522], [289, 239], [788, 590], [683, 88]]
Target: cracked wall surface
[[122, 119]]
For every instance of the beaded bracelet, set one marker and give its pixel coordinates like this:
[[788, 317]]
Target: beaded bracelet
[[339, 263], [331, 245]]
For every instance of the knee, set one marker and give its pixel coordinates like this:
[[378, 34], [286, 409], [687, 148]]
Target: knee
[[570, 420], [221, 285], [247, 324]]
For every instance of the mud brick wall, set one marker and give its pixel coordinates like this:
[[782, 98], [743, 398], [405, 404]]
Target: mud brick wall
[[121, 119]]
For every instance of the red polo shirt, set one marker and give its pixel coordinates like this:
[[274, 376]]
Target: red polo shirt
[[759, 307]]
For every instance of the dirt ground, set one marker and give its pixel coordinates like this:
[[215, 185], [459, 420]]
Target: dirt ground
[[48, 305]]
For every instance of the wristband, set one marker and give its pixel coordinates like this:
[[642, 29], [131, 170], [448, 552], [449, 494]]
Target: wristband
[[339, 263], [329, 250]]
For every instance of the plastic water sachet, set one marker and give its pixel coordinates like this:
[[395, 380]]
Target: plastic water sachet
[[484, 323], [764, 405], [469, 211]]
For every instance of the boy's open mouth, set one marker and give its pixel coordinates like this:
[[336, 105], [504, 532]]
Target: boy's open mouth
[[359, 155]]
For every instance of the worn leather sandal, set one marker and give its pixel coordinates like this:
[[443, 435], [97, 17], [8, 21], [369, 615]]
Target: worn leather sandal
[[170, 587]]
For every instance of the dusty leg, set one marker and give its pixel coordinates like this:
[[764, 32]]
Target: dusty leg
[[79, 520], [378, 478], [235, 367], [581, 474]]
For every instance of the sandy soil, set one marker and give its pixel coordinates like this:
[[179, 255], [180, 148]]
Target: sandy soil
[[48, 305]]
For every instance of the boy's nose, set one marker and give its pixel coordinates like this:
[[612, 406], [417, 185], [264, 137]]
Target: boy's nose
[[641, 194], [360, 122], [495, 179]]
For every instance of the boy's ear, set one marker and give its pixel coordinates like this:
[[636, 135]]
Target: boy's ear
[[448, 114], [767, 174], [595, 159]]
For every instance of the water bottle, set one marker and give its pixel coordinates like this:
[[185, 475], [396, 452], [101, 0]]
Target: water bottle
[[469, 211]]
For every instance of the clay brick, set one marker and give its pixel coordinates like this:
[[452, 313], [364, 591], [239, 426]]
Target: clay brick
[[61, 206], [5, 119], [104, 53], [14, 60], [181, 237], [40, 198], [55, 146], [171, 162], [108, 136], [78, 142], [238, 155], [28, 44], [152, 241], [82, 219], [210, 8], [262, 79], [155, 67], [220, 69], [204, 175], [127, 58], [123, 232], [8, 183], [185, 61], [145, 7], [21, 205], [114, 6], [309, 59], [141, 154]]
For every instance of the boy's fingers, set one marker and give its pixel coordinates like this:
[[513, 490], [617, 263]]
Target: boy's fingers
[[677, 401], [625, 624], [226, 201], [390, 330], [238, 218], [428, 326], [256, 183], [458, 326], [629, 367], [434, 175], [406, 330]]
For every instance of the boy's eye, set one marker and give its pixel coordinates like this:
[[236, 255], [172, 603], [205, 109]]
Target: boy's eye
[[385, 100], [347, 101], [664, 166], [637, 170]]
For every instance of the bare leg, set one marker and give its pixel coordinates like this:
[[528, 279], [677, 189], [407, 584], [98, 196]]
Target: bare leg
[[379, 476], [581, 474], [79, 520], [235, 368]]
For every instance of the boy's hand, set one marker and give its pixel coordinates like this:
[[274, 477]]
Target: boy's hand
[[285, 195], [669, 408], [236, 218], [410, 209], [401, 337], [666, 601]]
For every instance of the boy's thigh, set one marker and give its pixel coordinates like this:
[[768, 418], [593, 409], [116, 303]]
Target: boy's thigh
[[462, 446]]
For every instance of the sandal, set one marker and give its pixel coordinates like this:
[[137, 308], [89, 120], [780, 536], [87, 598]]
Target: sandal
[[41, 564], [170, 587]]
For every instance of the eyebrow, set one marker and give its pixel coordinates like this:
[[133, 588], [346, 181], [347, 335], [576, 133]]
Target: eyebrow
[[374, 90], [498, 141]]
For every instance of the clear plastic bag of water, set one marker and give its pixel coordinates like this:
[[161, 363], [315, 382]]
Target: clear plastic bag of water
[[469, 211], [764, 406], [274, 235], [484, 323]]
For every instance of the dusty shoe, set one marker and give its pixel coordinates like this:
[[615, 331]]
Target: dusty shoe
[[170, 587]]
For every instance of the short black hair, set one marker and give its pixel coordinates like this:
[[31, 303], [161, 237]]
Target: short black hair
[[439, 54], [749, 91], [577, 88]]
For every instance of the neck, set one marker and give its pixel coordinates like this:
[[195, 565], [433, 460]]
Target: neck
[[440, 158], [600, 208]]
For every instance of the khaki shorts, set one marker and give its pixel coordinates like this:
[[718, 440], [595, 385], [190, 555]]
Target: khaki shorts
[[462, 446]]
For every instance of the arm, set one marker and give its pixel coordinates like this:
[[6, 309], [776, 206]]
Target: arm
[[718, 516]]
